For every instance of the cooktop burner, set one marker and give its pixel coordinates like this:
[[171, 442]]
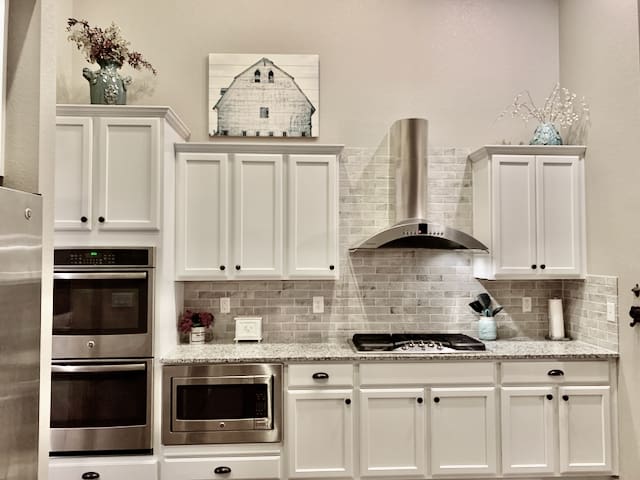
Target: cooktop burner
[[415, 342]]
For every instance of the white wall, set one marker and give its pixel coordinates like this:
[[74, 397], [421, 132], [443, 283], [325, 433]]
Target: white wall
[[457, 63], [599, 58]]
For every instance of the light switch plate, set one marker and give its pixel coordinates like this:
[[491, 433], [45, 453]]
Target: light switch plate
[[611, 312], [318, 304], [248, 329], [225, 305], [526, 304]]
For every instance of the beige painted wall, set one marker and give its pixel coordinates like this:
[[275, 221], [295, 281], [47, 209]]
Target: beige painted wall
[[599, 58], [22, 95], [457, 63]]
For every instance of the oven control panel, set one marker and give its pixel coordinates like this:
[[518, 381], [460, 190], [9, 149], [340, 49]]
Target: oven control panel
[[138, 257]]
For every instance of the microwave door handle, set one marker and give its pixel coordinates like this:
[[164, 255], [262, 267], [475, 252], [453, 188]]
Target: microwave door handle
[[99, 275], [129, 367]]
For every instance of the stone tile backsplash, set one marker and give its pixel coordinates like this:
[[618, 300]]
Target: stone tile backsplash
[[389, 290], [585, 310]]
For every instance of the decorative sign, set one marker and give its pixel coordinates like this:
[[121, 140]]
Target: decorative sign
[[264, 95]]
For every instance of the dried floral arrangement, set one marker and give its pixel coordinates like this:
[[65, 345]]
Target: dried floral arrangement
[[105, 45], [190, 319], [561, 108]]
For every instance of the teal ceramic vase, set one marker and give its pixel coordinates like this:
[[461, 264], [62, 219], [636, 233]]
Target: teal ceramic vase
[[106, 86], [546, 134]]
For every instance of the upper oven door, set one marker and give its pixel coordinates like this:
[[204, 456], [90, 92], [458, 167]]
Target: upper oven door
[[102, 314]]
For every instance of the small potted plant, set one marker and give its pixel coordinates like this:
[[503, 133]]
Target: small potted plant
[[196, 326]]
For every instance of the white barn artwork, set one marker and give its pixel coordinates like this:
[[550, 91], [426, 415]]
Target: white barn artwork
[[263, 95]]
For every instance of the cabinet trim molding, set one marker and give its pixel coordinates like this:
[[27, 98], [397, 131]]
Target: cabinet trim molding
[[488, 150], [281, 148], [127, 111]]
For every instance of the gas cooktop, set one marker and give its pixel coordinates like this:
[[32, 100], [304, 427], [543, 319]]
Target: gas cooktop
[[415, 342]]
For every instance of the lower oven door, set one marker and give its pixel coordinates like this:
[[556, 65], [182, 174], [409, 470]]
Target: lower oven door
[[101, 407]]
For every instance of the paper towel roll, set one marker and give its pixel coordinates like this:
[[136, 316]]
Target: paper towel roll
[[556, 320]]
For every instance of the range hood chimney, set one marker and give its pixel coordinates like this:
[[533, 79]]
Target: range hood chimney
[[408, 149]]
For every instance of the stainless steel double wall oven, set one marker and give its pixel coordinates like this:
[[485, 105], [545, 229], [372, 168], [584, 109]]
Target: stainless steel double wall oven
[[102, 369]]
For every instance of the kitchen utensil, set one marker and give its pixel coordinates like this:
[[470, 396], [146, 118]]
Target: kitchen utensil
[[496, 310], [485, 300], [476, 306]]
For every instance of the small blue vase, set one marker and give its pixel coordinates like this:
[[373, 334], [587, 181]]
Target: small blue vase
[[546, 134], [487, 328]]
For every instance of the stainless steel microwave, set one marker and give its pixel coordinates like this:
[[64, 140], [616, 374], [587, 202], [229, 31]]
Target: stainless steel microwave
[[221, 403]]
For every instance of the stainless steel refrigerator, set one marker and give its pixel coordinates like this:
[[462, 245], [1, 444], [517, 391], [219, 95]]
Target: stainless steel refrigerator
[[20, 281]]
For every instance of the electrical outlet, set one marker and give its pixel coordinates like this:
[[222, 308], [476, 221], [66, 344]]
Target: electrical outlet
[[611, 312], [225, 305], [318, 304], [526, 304]]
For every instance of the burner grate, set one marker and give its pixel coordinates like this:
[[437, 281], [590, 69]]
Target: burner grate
[[427, 342]]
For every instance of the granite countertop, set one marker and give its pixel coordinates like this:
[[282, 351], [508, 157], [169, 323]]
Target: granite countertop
[[304, 352]]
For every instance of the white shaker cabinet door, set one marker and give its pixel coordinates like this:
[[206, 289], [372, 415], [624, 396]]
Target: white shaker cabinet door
[[202, 200], [585, 429], [392, 432], [515, 214], [558, 210], [320, 433], [129, 174], [528, 430], [257, 216], [73, 173], [463, 431], [312, 216]]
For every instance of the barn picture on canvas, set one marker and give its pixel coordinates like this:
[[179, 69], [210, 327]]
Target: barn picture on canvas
[[263, 95]]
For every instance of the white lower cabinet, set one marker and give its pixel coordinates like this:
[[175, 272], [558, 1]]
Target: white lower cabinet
[[528, 430], [463, 431], [103, 468], [585, 429], [552, 423], [319, 418], [207, 468], [392, 432], [320, 433]]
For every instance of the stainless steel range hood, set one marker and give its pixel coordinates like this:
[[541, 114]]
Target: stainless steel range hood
[[408, 149]]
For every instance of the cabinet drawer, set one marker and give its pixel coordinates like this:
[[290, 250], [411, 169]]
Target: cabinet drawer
[[321, 375], [263, 467], [565, 372], [108, 469], [450, 373]]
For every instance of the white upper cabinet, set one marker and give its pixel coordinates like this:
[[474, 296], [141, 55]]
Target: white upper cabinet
[[73, 173], [109, 163], [128, 174], [256, 211], [202, 226], [313, 216], [529, 210], [257, 216]]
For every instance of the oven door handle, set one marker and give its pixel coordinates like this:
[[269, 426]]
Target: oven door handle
[[128, 367], [99, 275]]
